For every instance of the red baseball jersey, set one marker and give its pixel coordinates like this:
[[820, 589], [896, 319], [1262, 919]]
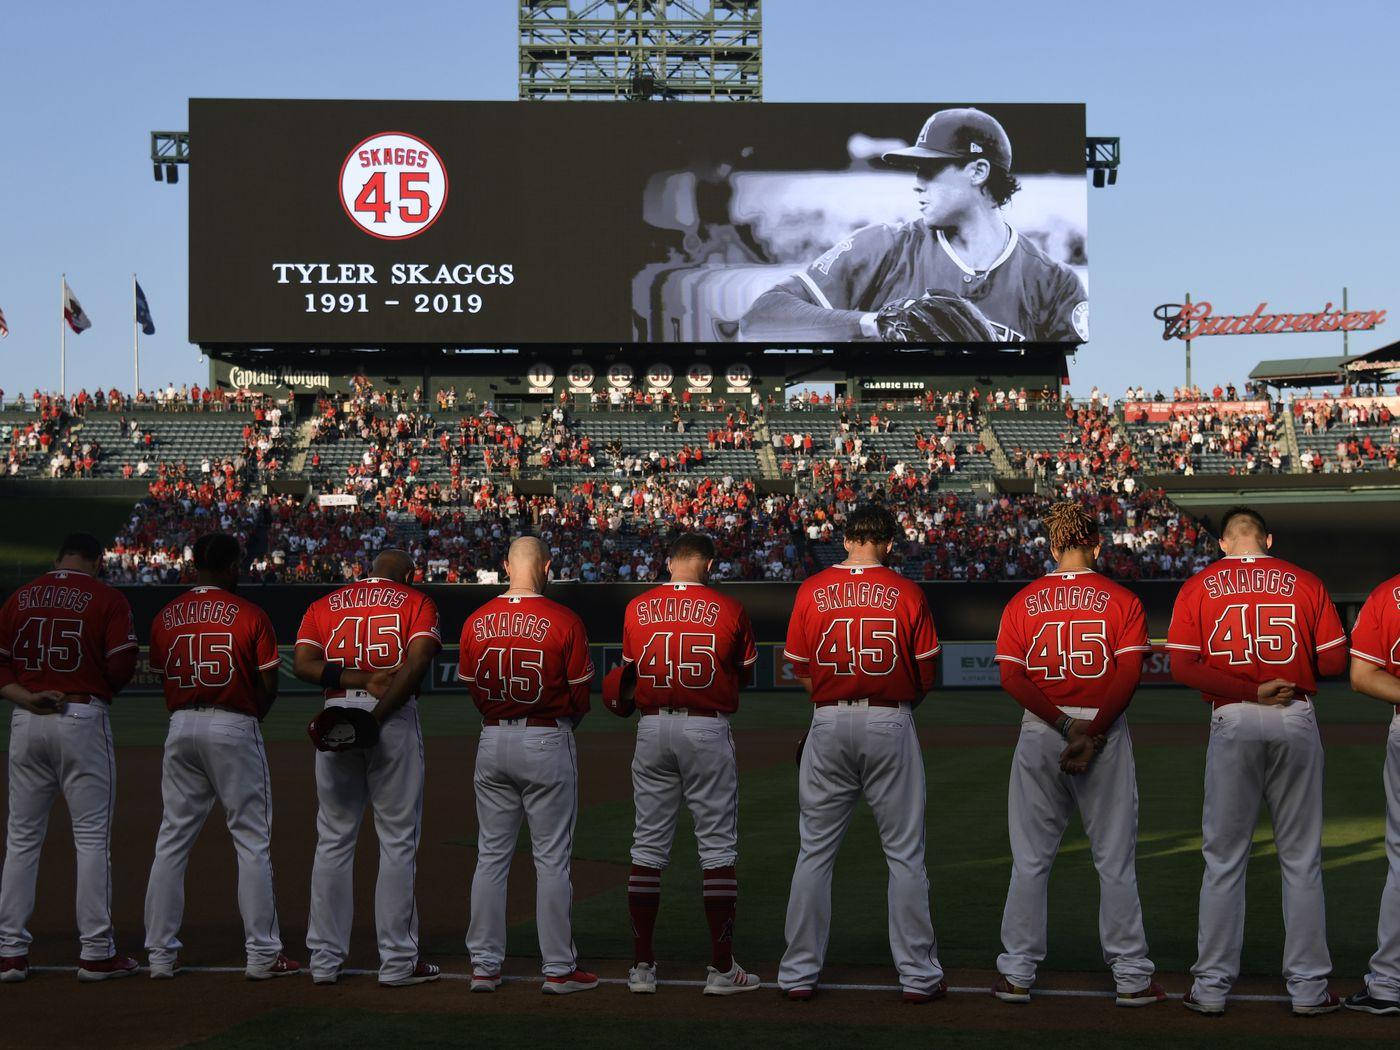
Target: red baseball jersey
[[1376, 636], [692, 646], [862, 633], [368, 626], [211, 647], [526, 656], [1258, 618], [1067, 630], [60, 631], [1027, 296]]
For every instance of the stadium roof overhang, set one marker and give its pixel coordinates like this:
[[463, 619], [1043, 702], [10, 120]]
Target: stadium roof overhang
[[1373, 366]]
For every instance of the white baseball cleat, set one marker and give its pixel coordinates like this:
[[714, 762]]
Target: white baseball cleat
[[422, 973], [642, 979], [164, 971], [731, 983]]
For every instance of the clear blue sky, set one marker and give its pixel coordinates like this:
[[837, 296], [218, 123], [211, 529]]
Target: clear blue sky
[[1259, 144]]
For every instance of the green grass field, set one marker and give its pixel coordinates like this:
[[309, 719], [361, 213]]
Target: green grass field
[[968, 859], [141, 720], [968, 855], [362, 1028]]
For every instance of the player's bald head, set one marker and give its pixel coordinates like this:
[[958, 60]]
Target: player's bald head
[[527, 563], [1244, 531], [393, 564]]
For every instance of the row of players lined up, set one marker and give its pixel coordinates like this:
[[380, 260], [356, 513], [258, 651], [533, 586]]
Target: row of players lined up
[[1251, 632]]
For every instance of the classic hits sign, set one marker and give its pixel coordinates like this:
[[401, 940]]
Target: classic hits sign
[[375, 223]]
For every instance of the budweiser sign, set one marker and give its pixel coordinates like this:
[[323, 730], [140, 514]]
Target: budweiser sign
[[1193, 320]]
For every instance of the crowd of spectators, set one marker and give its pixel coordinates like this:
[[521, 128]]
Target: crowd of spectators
[[43, 440], [1363, 435], [446, 486], [606, 530], [1250, 441], [1091, 449]]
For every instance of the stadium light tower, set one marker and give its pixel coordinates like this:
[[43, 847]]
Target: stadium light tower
[[686, 50]]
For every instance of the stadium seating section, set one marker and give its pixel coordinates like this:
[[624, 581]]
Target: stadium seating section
[[447, 483]]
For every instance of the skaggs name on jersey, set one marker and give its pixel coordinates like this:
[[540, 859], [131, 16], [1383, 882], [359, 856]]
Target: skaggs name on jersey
[[669, 610], [511, 625], [850, 593], [1241, 580], [208, 611], [1066, 599], [51, 597], [380, 597]]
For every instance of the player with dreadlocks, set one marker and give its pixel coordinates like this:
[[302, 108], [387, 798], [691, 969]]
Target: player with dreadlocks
[[1070, 651]]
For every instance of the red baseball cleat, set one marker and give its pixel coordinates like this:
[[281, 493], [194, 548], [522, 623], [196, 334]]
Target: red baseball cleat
[[566, 984], [938, 991], [1153, 993], [279, 967], [14, 968], [1331, 1002], [107, 969], [799, 995]]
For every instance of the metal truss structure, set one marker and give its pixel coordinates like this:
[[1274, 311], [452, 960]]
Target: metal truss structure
[[685, 50]]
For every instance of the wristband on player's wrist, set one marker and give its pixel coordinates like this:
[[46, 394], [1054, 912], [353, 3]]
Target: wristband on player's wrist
[[1063, 724], [330, 675]]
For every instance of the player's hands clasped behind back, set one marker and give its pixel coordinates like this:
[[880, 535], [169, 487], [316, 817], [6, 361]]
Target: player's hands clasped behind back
[[1081, 748], [1277, 693], [45, 702]]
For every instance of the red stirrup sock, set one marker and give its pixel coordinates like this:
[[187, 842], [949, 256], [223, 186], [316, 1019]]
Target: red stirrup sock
[[720, 891], [643, 901]]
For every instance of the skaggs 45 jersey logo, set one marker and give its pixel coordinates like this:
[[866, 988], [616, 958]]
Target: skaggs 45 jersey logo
[[393, 185]]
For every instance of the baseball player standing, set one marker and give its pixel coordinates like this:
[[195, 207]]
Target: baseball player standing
[[862, 643], [527, 663], [1070, 651], [1253, 633], [959, 245], [67, 646], [217, 655], [368, 645], [686, 647], [1375, 671]]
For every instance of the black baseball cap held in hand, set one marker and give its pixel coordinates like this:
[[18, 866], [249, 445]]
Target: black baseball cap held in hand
[[956, 134]]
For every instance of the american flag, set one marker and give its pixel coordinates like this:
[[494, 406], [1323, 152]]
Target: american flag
[[4, 328]]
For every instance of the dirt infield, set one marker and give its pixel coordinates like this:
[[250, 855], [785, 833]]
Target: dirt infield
[[143, 1013]]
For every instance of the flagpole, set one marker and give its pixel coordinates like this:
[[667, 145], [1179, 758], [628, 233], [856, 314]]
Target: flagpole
[[62, 336], [135, 342]]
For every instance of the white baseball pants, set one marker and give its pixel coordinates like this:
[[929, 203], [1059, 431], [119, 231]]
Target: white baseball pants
[[681, 757], [70, 752], [1272, 754], [530, 773], [854, 751], [214, 754], [389, 779], [1384, 979], [1040, 801]]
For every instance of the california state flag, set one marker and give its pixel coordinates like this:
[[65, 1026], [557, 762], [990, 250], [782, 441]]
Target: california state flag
[[73, 311]]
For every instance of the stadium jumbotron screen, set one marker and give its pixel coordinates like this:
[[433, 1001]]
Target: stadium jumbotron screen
[[376, 223]]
